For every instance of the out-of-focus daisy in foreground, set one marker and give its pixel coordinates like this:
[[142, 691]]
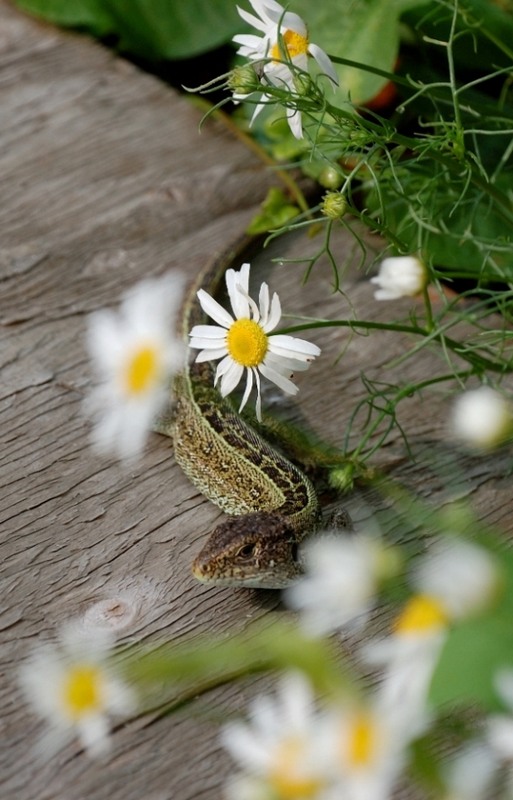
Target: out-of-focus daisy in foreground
[[456, 579], [282, 751], [282, 48], [340, 582], [134, 352], [72, 685], [243, 343], [482, 418], [368, 750], [293, 749]]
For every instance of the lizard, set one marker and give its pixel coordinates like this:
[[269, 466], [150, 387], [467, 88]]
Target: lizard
[[271, 503]]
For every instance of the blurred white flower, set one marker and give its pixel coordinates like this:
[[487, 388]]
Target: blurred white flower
[[408, 657], [464, 577], [72, 686], [369, 752], [470, 773], [135, 352], [283, 751], [282, 46], [400, 276], [242, 341], [340, 582], [482, 418], [455, 579]]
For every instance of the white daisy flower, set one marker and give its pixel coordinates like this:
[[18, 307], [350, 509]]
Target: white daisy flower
[[400, 276], [243, 343], [340, 583], [454, 580], [463, 576], [482, 418], [368, 751], [284, 43], [283, 750], [72, 685], [135, 352], [408, 657]]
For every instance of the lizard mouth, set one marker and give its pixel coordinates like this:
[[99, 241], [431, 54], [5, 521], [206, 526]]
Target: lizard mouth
[[200, 570], [204, 572]]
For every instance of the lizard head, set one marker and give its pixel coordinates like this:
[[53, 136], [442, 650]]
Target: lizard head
[[257, 550]]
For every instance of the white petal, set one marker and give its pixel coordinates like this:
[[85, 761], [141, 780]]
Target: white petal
[[274, 12], [263, 302], [258, 108], [324, 62], [248, 41], [208, 332], [283, 344], [285, 365], [207, 344], [222, 367], [245, 747], [238, 299], [231, 378], [214, 309], [295, 123], [247, 390], [274, 314], [251, 20], [94, 734], [273, 375], [279, 74], [210, 354]]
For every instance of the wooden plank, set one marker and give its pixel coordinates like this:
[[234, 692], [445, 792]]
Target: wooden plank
[[105, 181]]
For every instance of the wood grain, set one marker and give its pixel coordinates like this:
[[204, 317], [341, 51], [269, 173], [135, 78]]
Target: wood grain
[[105, 180]]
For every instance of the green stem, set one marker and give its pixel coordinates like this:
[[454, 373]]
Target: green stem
[[406, 391], [480, 363], [430, 324]]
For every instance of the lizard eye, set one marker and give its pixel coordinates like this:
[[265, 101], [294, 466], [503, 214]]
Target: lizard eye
[[246, 551]]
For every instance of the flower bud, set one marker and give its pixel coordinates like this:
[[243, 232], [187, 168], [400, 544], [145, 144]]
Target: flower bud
[[243, 80], [334, 205], [342, 478]]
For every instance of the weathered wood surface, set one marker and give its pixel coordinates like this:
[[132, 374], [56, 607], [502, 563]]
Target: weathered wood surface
[[105, 179]]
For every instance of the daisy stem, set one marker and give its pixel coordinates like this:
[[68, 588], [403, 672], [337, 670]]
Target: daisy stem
[[478, 362], [259, 151], [430, 324]]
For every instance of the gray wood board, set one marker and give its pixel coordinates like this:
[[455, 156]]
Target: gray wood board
[[106, 180]]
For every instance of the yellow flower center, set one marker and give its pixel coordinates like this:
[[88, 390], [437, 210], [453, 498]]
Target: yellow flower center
[[362, 740], [142, 370], [288, 778], [421, 614], [82, 690], [247, 343], [293, 43]]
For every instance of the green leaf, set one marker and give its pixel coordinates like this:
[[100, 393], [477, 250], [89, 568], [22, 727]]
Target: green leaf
[[154, 29], [362, 30], [92, 15], [172, 29]]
